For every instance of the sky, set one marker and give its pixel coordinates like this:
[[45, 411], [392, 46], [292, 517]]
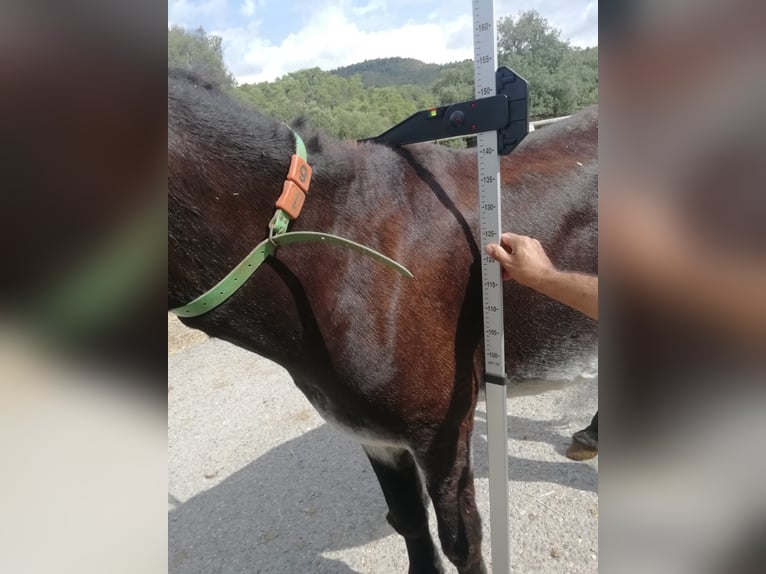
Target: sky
[[266, 39]]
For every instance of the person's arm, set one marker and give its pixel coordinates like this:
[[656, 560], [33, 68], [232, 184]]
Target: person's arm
[[523, 259]]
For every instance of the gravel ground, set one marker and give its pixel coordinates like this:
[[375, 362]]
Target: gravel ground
[[257, 482]]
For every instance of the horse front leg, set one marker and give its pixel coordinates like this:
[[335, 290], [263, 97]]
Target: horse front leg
[[449, 479], [407, 514]]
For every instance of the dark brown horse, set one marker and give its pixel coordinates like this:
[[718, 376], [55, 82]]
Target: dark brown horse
[[397, 362]]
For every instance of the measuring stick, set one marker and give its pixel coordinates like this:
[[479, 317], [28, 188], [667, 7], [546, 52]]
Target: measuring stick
[[485, 58]]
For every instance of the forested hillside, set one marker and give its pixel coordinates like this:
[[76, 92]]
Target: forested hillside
[[365, 99], [341, 106], [392, 72]]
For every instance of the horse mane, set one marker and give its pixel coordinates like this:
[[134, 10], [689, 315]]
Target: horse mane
[[192, 77], [315, 139]]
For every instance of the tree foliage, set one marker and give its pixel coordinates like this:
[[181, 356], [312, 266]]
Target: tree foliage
[[455, 83], [198, 52], [530, 38], [341, 106], [562, 79]]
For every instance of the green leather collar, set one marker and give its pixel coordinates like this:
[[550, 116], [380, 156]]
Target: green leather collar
[[242, 272], [278, 237], [300, 147]]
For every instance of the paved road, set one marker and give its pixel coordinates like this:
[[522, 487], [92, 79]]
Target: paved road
[[259, 483]]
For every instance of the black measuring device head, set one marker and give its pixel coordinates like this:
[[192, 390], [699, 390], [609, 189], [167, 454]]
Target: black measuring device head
[[506, 112]]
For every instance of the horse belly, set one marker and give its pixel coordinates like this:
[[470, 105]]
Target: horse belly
[[547, 345], [373, 438], [541, 378], [341, 407]]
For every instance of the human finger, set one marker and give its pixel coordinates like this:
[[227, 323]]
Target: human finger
[[498, 253], [510, 240]]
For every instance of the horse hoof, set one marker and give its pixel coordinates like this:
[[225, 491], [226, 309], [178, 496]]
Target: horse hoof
[[579, 451]]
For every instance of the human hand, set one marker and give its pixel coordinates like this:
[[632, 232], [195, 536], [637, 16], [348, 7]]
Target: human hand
[[522, 258]]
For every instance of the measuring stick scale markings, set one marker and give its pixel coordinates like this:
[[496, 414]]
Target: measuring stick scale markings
[[485, 57]]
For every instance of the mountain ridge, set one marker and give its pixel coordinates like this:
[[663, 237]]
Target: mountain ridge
[[394, 71]]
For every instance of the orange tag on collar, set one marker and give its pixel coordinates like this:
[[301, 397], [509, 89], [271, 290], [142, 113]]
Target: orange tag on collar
[[299, 173], [291, 200]]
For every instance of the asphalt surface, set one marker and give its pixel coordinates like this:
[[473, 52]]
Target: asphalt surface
[[258, 482]]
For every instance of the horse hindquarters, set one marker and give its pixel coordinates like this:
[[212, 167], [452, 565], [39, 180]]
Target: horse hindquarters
[[585, 442]]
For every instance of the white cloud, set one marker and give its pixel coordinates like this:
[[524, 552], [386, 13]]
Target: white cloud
[[248, 8], [193, 15], [342, 32], [585, 32], [330, 39], [372, 6]]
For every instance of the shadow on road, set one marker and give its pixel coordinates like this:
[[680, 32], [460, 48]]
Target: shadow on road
[[317, 494], [313, 494], [563, 471]]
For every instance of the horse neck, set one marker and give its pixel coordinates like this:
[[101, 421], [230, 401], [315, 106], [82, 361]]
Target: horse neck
[[222, 191]]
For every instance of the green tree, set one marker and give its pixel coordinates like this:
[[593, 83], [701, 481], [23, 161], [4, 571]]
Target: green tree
[[198, 52], [531, 39], [455, 83], [584, 62], [561, 78]]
